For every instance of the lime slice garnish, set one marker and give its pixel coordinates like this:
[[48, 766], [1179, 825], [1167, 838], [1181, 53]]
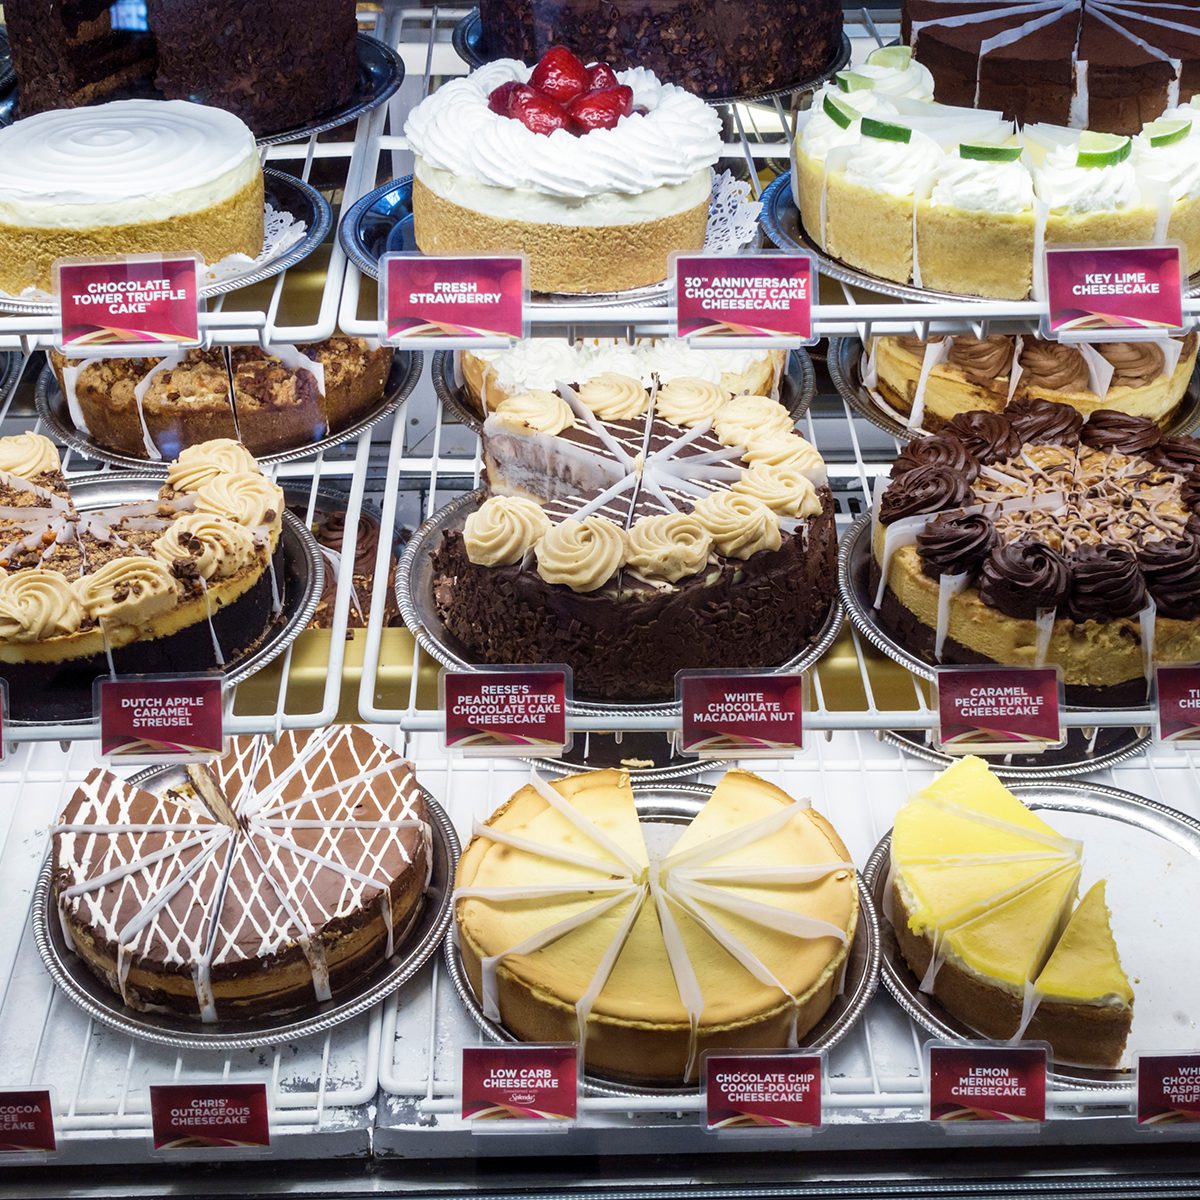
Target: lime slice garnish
[[989, 153], [1102, 149], [840, 113], [895, 57], [852, 81], [885, 130], [1164, 132]]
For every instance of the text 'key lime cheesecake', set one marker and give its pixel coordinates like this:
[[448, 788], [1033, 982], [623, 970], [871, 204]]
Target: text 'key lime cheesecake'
[[983, 895]]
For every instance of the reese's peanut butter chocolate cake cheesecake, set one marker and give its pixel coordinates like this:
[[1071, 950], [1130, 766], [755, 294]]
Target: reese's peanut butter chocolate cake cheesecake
[[180, 582]]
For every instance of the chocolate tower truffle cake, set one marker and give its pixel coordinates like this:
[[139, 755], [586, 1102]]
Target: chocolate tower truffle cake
[[1033, 537]]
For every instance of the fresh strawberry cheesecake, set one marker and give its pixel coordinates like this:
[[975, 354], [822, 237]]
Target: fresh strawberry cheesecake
[[596, 175]]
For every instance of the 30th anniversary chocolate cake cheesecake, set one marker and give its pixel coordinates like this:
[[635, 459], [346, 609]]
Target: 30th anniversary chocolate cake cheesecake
[[634, 533], [275, 878], [1032, 537], [180, 582]]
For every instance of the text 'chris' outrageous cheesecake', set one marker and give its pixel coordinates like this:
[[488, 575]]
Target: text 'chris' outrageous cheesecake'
[[1030, 538], [983, 897], [180, 582], [597, 176], [128, 177], [580, 922], [275, 878], [635, 533]]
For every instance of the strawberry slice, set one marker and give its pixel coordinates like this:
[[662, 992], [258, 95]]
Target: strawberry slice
[[499, 97], [601, 76], [536, 112], [559, 75], [601, 109]]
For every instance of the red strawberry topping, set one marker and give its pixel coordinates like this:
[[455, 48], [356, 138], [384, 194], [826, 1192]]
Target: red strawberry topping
[[560, 75], [536, 112], [500, 97], [602, 109], [601, 76]]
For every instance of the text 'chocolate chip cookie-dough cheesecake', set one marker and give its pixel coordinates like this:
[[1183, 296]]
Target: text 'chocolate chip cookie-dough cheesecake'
[[183, 581], [596, 175], [579, 921], [959, 200], [983, 897], [1030, 537], [633, 533], [275, 878]]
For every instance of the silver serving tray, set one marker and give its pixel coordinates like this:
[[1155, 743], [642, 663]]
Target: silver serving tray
[[303, 576], [414, 594], [285, 193], [1088, 798], [845, 359], [781, 223], [797, 387], [419, 942], [677, 806], [10, 373], [7, 74], [56, 415], [468, 35]]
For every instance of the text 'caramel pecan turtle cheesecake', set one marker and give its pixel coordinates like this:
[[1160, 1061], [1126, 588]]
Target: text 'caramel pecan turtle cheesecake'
[[1030, 537], [634, 533], [183, 581]]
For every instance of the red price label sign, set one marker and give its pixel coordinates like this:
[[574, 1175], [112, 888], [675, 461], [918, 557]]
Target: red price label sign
[[998, 710], [1178, 691], [187, 1115], [521, 1083], [987, 1083], [26, 1122], [744, 714], [143, 719], [1113, 292], [745, 299], [128, 307], [511, 711], [1168, 1089], [780, 1091], [452, 301]]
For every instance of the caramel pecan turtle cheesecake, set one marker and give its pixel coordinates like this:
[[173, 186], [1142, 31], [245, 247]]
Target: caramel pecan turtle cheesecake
[[182, 582], [633, 534], [1033, 537], [929, 382]]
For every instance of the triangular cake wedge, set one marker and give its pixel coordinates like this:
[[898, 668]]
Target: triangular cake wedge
[[926, 832], [1085, 1001]]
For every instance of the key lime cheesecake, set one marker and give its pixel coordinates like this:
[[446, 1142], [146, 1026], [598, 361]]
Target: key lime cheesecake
[[983, 895]]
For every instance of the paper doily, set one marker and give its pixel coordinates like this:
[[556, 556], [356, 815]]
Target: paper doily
[[732, 216]]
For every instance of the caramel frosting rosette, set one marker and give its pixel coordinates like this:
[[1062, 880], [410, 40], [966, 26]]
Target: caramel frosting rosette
[[1054, 366], [740, 525], [923, 490], [1105, 583], [785, 450], [1108, 429], [246, 497], [128, 591], [747, 419], [988, 436], [582, 555], [668, 547], [503, 529], [28, 455], [207, 545], [690, 402], [1171, 568], [1134, 364], [543, 412], [614, 397], [937, 450], [955, 544], [37, 604], [1021, 577], [985, 362], [198, 465], [1041, 421], [785, 490]]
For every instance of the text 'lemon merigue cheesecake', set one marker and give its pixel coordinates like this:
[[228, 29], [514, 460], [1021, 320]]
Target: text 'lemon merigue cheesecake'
[[959, 200], [596, 175], [578, 922], [983, 893], [126, 177]]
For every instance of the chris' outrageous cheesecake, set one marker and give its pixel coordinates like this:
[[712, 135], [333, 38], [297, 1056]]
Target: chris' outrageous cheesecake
[[275, 878], [596, 175], [929, 382], [983, 906], [128, 177], [1030, 537], [579, 922], [178, 583], [635, 534]]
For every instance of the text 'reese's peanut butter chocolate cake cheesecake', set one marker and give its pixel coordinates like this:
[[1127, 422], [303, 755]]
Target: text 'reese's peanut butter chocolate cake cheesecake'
[[1032, 537], [276, 877], [178, 583], [633, 534]]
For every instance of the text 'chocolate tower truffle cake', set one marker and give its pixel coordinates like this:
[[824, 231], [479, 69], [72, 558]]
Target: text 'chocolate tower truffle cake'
[[276, 878]]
